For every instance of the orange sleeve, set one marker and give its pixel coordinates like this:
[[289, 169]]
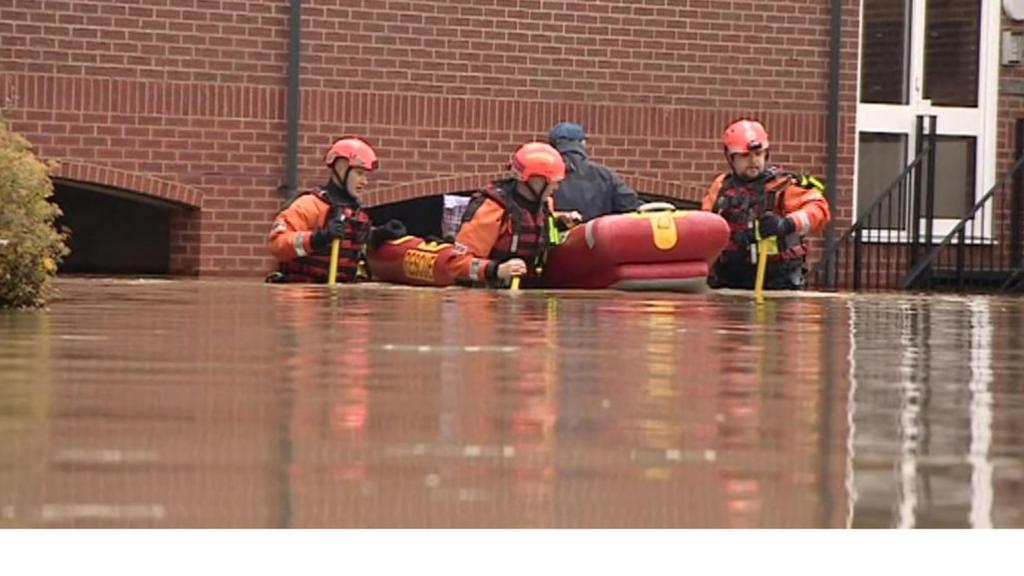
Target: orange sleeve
[[475, 241], [292, 233], [708, 204], [807, 207]]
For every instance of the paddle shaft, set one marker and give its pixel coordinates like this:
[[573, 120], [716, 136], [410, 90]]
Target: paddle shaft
[[762, 265], [332, 271]]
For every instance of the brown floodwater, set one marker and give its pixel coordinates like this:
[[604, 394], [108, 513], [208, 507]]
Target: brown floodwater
[[184, 403]]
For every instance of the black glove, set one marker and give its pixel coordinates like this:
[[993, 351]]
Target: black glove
[[335, 228], [391, 230], [359, 229], [775, 225]]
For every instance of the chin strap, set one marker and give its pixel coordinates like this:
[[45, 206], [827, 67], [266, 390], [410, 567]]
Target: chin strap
[[343, 180]]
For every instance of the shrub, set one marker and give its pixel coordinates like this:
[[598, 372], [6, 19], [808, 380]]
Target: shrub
[[30, 245]]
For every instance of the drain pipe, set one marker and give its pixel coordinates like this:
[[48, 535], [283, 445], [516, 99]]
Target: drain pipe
[[293, 110], [832, 133]]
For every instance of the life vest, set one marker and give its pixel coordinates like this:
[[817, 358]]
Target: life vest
[[314, 267], [524, 234], [741, 204]]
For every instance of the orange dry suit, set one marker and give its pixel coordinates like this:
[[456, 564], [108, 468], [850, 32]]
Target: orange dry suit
[[499, 225], [291, 240], [740, 202]]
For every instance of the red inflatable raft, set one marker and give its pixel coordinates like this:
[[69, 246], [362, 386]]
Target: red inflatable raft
[[411, 260], [655, 248]]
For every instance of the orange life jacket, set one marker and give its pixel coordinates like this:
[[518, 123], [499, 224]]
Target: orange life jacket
[[524, 233], [314, 267]]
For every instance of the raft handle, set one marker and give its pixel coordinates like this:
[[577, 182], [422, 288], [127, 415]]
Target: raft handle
[[656, 207]]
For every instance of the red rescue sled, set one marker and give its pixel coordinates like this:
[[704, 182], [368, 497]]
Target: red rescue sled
[[655, 248], [411, 260]]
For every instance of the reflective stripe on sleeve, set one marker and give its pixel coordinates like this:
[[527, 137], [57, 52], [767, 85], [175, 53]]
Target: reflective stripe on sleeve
[[802, 221], [299, 244]]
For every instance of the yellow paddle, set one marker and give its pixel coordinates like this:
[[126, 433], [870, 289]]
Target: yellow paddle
[[762, 263], [332, 271], [515, 283]]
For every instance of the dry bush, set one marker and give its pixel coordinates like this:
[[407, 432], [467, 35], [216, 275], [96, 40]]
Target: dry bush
[[30, 245]]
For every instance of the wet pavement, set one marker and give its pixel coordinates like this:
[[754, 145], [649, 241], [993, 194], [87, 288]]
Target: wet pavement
[[188, 403]]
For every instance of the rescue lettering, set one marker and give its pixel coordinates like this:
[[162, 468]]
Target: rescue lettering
[[419, 265]]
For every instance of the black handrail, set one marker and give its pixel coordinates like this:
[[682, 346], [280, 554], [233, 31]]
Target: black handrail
[[987, 243], [894, 206], [914, 278]]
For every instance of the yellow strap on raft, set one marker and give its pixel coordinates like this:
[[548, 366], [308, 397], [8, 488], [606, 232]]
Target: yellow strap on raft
[[662, 216], [664, 228]]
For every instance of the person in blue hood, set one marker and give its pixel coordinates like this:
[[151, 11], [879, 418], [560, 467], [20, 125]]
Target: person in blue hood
[[589, 188]]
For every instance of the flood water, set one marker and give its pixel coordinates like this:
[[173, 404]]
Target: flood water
[[183, 403]]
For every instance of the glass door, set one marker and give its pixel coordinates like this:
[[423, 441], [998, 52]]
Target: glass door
[[928, 57]]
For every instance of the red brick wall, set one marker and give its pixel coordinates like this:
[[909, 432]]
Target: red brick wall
[[445, 90], [1011, 109], [1011, 105]]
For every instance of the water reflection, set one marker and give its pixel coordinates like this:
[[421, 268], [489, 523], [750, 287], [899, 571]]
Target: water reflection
[[981, 414], [234, 404], [926, 376]]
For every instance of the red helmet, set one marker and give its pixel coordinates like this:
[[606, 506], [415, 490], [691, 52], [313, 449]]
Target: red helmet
[[745, 136], [538, 159], [358, 153]]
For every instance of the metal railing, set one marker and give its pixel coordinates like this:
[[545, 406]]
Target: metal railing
[[985, 250], [883, 242]]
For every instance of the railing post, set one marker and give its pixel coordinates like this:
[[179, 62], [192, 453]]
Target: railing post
[[960, 255], [914, 226], [856, 260], [1016, 214], [930, 194]]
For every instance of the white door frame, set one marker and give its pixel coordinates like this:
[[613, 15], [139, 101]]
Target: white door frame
[[980, 122]]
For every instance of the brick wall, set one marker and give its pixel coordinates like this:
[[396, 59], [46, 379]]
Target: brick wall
[[1011, 106], [1011, 109], [194, 93]]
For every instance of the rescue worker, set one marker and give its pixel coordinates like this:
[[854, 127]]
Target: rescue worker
[[507, 228], [760, 201], [589, 188], [303, 232]]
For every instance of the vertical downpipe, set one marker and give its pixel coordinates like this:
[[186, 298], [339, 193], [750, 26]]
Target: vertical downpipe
[[929, 206], [832, 135], [294, 108], [929, 216], [287, 401], [914, 228]]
